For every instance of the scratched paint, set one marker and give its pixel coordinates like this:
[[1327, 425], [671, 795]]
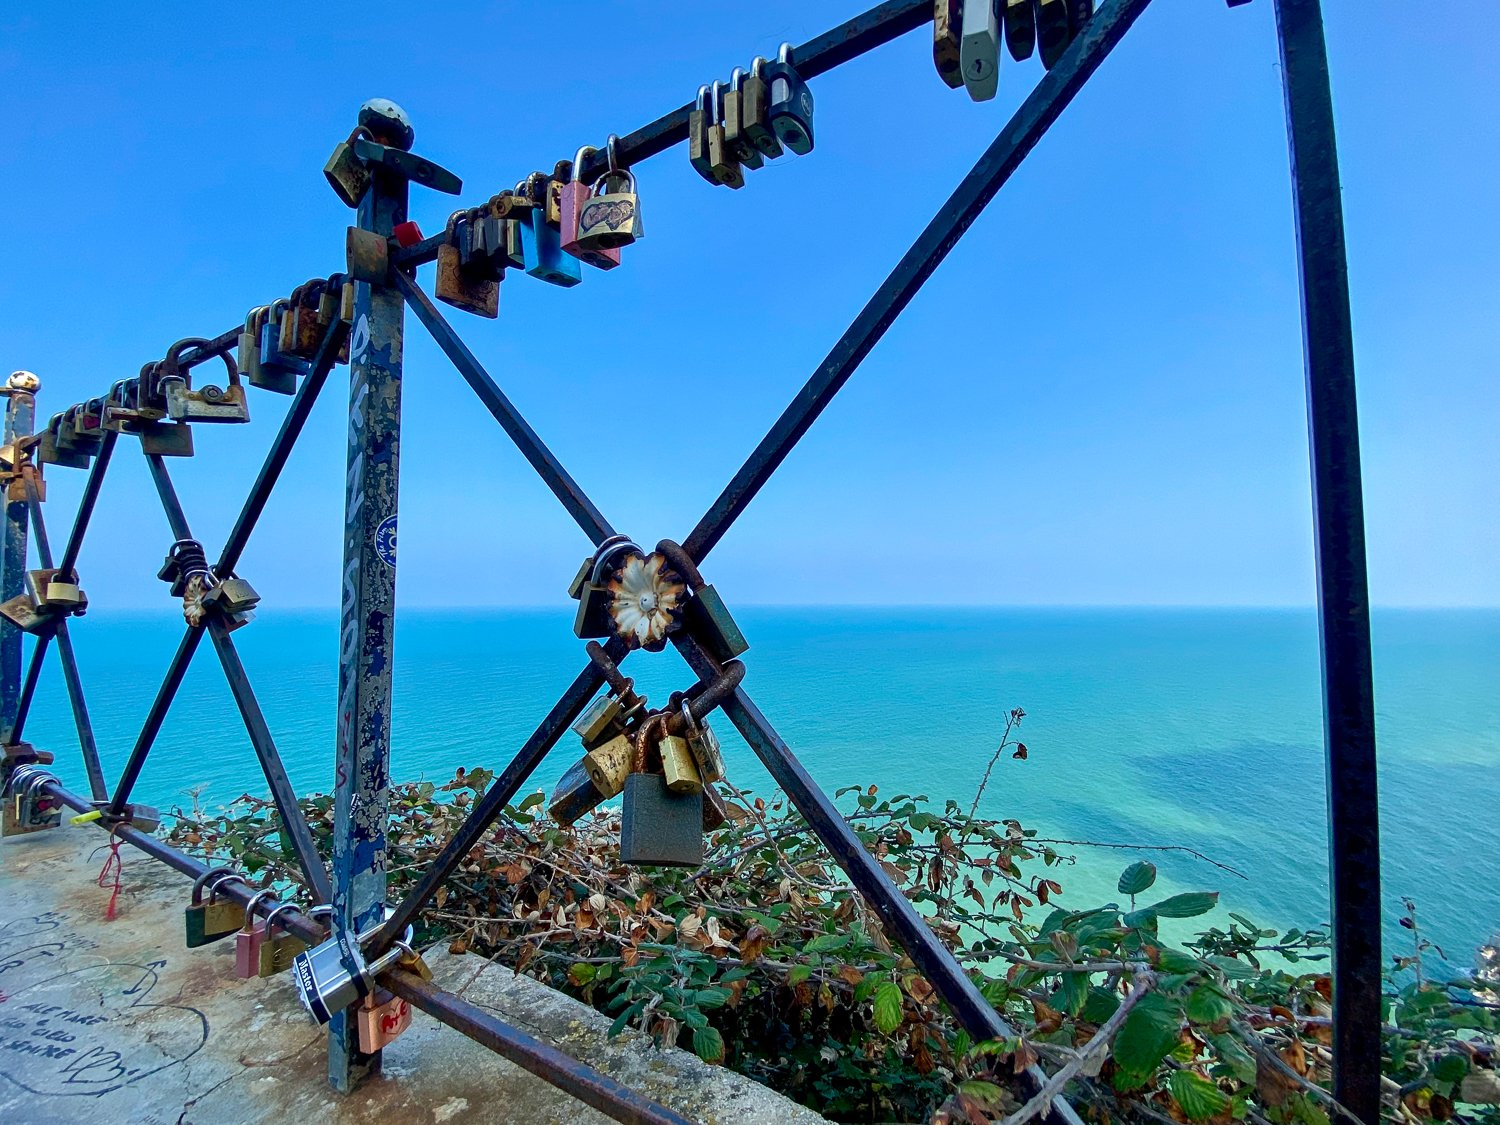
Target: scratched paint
[[367, 613], [19, 419]]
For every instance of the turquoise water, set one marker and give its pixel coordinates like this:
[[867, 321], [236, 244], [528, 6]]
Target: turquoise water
[[1199, 728]]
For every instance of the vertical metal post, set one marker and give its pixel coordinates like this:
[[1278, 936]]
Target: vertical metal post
[[1343, 590], [20, 415], [368, 602]]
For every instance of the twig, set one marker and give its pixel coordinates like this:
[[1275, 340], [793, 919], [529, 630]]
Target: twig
[[1042, 1099], [1141, 848]]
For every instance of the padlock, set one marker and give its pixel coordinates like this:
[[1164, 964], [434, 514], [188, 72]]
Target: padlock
[[334, 975], [979, 50], [756, 108], [595, 600], [601, 720], [278, 950], [143, 818], [608, 765], [411, 961], [381, 1018], [677, 765], [53, 448], [463, 288], [247, 357], [88, 423], [232, 595], [66, 596], [562, 172], [947, 18], [21, 612], [741, 147], [541, 247], [1051, 30], [1079, 14], [647, 597], [576, 199], [346, 172], [703, 744], [709, 620], [575, 795], [700, 120], [715, 811], [659, 828], [791, 108], [249, 939], [167, 439], [721, 161], [279, 371], [611, 217], [209, 921], [1020, 28], [209, 403], [26, 808], [311, 318]]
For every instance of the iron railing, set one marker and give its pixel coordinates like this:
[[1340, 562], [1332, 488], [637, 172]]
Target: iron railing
[[356, 887]]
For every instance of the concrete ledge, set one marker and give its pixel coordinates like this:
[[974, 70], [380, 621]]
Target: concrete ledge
[[118, 1022]]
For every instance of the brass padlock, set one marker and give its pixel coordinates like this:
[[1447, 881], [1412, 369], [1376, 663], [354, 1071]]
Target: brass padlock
[[1020, 28], [463, 289], [210, 921], [721, 161], [756, 108], [609, 765], [575, 795], [277, 951], [740, 145], [703, 744], [346, 172], [700, 120], [946, 20], [611, 218], [232, 595], [601, 721], [678, 767]]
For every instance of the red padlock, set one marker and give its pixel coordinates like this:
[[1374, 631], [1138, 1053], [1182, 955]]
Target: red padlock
[[247, 941], [382, 1019], [574, 196], [407, 234]]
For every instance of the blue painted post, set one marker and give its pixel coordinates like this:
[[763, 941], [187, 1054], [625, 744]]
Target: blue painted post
[[20, 418], [367, 617]]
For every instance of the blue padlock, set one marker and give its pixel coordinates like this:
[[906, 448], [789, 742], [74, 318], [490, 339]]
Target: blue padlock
[[541, 246], [278, 370]]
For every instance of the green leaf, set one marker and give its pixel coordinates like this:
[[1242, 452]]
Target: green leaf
[[824, 943], [581, 973], [533, 800], [1176, 961], [1137, 877], [1450, 1068], [1099, 1006], [1198, 1097], [888, 1007], [1147, 1036], [985, 1093], [798, 974], [625, 1017], [708, 1044], [1208, 1005], [1234, 1057], [1188, 905], [1234, 969]]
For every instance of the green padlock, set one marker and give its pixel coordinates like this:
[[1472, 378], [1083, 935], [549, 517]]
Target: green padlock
[[209, 921]]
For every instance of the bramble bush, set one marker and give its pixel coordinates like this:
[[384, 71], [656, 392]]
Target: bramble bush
[[767, 961]]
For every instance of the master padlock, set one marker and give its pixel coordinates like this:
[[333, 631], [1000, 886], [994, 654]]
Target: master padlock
[[334, 975], [791, 108], [979, 50]]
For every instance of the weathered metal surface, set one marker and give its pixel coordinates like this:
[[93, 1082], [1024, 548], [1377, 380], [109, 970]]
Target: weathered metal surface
[[368, 605], [20, 418], [1339, 537]]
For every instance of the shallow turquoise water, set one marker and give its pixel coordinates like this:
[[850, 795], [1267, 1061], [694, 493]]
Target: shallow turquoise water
[[1192, 727]]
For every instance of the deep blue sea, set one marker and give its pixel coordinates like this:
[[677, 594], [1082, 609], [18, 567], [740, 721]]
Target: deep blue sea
[[1192, 727]]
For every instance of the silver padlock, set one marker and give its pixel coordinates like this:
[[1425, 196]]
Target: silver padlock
[[332, 976]]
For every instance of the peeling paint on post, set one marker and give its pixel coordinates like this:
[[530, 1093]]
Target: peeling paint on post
[[20, 418], [367, 615]]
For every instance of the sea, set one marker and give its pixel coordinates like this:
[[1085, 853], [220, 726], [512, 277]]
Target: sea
[[1187, 730]]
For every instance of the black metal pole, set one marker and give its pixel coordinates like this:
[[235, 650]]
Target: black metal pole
[[1020, 135], [176, 670], [86, 503], [547, 466], [1343, 587], [281, 447], [28, 686]]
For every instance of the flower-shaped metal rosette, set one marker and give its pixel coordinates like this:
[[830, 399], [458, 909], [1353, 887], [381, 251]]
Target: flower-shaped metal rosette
[[647, 597]]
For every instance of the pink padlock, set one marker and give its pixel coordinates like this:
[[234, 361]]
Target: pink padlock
[[248, 940], [382, 1019], [574, 196]]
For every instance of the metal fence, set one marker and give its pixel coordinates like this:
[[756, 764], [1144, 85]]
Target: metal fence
[[382, 283]]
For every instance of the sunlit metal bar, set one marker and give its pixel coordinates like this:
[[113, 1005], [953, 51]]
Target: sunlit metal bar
[[86, 503], [1339, 533], [1027, 126]]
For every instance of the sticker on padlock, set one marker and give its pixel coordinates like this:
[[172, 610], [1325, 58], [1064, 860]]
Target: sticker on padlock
[[381, 1020], [208, 922]]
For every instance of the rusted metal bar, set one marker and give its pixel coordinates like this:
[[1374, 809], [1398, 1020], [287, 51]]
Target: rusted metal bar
[[1339, 536], [547, 466], [171, 682], [281, 447], [86, 743], [545, 1061], [367, 611], [293, 823], [1020, 135], [86, 503]]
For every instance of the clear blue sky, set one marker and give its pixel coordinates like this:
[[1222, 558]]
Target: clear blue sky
[[1097, 399]]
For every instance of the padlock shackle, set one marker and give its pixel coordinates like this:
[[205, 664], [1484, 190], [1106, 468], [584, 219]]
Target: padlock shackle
[[213, 874], [251, 905], [702, 705], [681, 562], [641, 742]]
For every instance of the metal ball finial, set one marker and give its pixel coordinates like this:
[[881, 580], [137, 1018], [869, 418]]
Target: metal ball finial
[[388, 122], [24, 381]]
